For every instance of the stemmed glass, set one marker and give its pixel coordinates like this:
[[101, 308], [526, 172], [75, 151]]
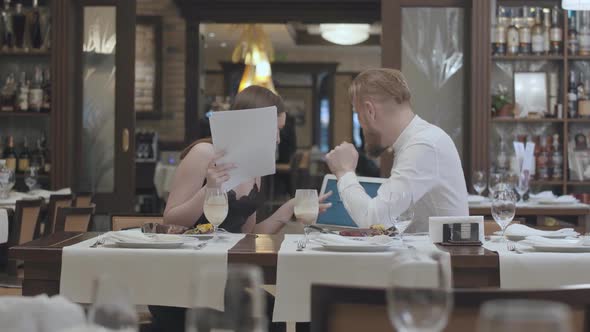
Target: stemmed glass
[[7, 180], [504, 208], [31, 178], [397, 210], [524, 316], [244, 301], [420, 294], [523, 184], [495, 181], [112, 307], [307, 205], [215, 208], [480, 182]]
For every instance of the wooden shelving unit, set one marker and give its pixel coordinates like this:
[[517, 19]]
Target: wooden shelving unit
[[527, 57], [25, 114], [526, 120]]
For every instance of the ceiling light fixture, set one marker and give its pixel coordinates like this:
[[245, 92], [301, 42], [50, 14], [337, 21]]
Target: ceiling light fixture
[[255, 50], [575, 4], [345, 34]]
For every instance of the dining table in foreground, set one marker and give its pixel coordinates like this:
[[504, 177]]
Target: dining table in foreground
[[473, 266]]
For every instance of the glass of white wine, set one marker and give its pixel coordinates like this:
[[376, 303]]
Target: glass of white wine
[[215, 208], [307, 205]]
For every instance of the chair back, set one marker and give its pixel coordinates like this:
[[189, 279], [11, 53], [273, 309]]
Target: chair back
[[127, 221], [345, 309], [25, 221], [74, 219], [55, 202], [83, 199]]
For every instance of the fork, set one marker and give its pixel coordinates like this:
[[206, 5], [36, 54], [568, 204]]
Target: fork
[[200, 246], [301, 244], [511, 246]]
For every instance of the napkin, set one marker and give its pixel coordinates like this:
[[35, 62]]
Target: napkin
[[475, 199], [542, 195], [3, 226], [539, 240], [133, 236], [46, 193], [566, 199], [525, 231], [333, 239]]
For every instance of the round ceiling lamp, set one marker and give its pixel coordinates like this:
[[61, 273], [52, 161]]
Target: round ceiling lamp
[[575, 4], [345, 34]]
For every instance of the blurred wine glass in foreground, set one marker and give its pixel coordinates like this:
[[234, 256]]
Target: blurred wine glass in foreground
[[112, 307]]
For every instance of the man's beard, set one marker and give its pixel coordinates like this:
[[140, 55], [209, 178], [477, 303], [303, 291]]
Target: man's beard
[[373, 144]]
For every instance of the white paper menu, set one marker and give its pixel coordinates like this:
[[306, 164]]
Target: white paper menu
[[249, 139]]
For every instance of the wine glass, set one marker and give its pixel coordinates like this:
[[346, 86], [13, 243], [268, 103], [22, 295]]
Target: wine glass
[[111, 306], [523, 184], [215, 208], [504, 208], [7, 180], [398, 210], [31, 178], [420, 294], [244, 301], [524, 316], [307, 205], [495, 181], [480, 182]]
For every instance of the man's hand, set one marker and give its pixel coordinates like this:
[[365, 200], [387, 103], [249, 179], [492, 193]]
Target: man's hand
[[342, 159]]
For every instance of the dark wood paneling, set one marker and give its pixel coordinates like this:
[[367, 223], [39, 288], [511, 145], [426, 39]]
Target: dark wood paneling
[[391, 34], [192, 72]]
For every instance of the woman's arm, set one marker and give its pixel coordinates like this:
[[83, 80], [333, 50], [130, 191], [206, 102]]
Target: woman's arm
[[185, 203]]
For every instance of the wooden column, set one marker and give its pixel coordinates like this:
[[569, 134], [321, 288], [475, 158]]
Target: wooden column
[[391, 34], [192, 85], [479, 82]]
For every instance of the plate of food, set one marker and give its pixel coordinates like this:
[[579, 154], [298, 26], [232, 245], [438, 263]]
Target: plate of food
[[201, 232]]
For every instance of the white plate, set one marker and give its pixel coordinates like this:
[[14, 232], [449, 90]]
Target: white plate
[[356, 248], [521, 237], [555, 202], [150, 245], [557, 248], [202, 237]]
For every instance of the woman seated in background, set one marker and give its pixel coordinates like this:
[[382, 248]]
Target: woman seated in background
[[198, 170]]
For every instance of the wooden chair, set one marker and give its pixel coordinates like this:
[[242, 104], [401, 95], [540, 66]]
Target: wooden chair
[[127, 221], [24, 227], [83, 199], [55, 202], [74, 219], [344, 309]]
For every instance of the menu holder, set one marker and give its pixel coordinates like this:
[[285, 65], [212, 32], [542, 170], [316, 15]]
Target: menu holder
[[461, 234]]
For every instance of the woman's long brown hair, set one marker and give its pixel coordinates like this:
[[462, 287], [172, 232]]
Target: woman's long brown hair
[[253, 96]]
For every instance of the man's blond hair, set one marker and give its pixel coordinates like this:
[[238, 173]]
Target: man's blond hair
[[380, 84]]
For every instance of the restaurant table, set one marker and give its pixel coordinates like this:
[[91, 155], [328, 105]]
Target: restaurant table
[[473, 267], [536, 214]]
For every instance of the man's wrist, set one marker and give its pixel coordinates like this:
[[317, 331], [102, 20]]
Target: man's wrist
[[340, 174]]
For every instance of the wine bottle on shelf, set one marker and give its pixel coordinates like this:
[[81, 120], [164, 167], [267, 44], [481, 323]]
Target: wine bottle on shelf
[[557, 159], [22, 103], [512, 35], [583, 102], [572, 96], [35, 27], [8, 36], [24, 159], [8, 95], [547, 29], [46, 155], [556, 32], [584, 32], [572, 34], [542, 165], [46, 106], [19, 21], [36, 91], [524, 33], [10, 155], [538, 43], [499, 33], [502, 161]]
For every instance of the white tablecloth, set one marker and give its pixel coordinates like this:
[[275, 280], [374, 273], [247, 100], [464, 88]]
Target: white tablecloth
[[163, 176], [539, 270], [154, 276], [14, 196], [298, 270], [3, 226]]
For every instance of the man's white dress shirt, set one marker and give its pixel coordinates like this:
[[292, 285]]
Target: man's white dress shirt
[[428, 166]]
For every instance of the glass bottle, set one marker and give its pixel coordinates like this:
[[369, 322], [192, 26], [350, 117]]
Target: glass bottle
[[556, 32], [572, 34], [19, 21], [8, 95], [22, 103], [524, 33], [46, 106], [584, 32], [499, 33], [557, 159], [546, 29], [8, 36], [35, 27], [36, 91], [10, 155], [24, 159], [502, 161], [45, 21], [46, 155], [572, 96], [538, 43], [512, 36]]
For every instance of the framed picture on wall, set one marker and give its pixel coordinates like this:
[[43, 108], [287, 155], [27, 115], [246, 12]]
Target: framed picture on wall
[[148, 67]]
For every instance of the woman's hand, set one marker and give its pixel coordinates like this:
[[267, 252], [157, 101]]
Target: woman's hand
[[325, 206], [217, 173]]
